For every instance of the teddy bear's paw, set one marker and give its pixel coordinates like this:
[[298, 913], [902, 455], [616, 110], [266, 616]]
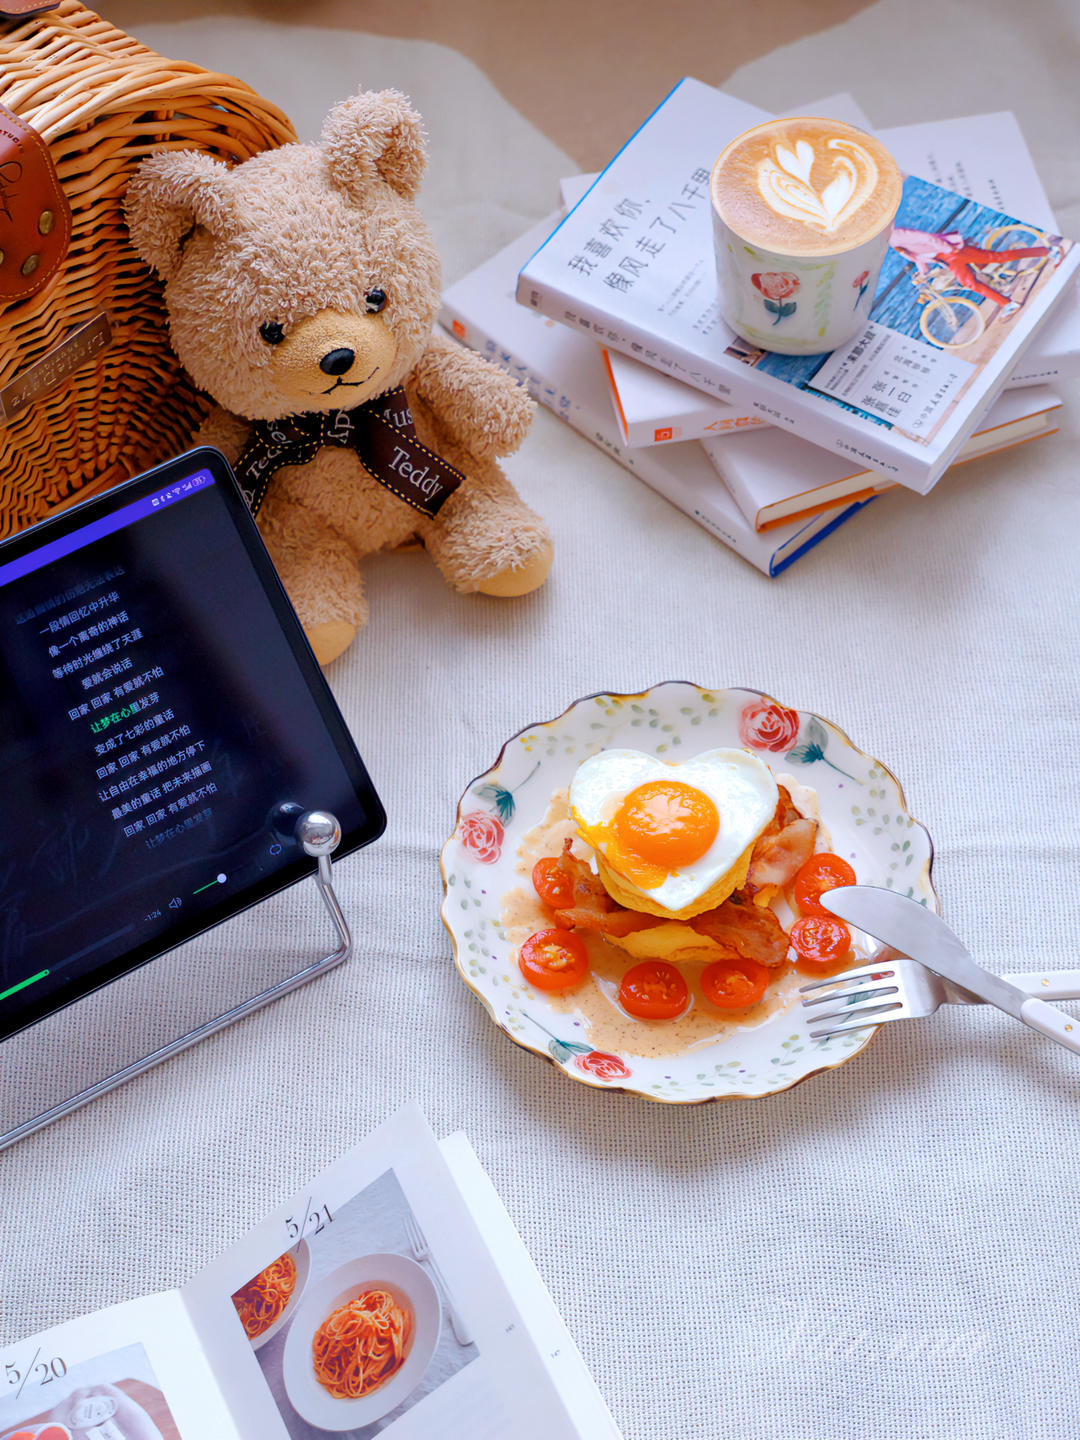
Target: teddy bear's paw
[[521, 579], [330, 639], [510, 420]]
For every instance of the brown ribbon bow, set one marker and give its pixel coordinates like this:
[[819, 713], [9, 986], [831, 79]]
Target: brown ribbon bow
[[382, 434]]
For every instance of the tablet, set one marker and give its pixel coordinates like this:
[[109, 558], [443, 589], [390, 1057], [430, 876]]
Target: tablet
[[163, 722]]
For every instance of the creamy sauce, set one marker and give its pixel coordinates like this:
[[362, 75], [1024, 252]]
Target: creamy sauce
[[604, 1023]]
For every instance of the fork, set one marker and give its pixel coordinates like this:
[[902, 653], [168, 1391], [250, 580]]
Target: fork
[[895, 988], [422, 1253]]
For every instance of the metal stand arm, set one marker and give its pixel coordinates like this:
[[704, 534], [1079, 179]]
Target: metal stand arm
[[320, 834]]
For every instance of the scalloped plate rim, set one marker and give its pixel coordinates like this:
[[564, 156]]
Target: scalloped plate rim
[[542, 1053]]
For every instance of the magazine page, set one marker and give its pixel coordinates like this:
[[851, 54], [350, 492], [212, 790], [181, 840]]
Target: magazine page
[[369, 1305], [553, 1341], [133, 1372]]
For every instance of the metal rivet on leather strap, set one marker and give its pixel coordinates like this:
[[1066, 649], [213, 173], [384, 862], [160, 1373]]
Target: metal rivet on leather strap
[[30, 264], [46, 221]]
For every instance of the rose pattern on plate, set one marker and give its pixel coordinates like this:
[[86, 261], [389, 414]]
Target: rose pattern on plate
[[482, 836], [776, 286], [603, 1065], [764, 725], [600, 1063]]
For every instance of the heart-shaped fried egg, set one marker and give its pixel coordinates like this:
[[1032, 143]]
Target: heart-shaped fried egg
[[667, 835]]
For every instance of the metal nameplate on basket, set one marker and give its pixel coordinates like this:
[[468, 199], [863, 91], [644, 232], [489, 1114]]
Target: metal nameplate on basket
[[55, 366], [170, 753]]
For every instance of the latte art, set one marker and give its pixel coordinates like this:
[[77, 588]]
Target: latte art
[[806, 186], [786, 182]]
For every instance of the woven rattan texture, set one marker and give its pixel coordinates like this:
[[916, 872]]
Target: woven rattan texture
[[102, 102]]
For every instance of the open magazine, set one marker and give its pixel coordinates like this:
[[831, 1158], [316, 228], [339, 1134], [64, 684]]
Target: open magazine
[[392, 1297]]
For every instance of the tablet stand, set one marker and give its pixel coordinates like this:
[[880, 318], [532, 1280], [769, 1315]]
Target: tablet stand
[[319, 833]]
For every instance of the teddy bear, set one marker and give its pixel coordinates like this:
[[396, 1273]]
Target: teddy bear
[[302, 288]]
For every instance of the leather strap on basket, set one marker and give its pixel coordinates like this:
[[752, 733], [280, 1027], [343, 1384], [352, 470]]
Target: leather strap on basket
[[19, 9], [35, 218]]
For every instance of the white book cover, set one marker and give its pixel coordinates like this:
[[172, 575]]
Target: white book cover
[[982, 156], [564, 371], [775, 477], [633, 265], [391, 1296], [652, 408]]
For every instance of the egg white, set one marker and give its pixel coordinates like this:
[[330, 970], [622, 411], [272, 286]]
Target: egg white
[[739, 784]]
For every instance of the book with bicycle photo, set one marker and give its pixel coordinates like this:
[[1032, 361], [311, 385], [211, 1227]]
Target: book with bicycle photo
[[963, 291], [392, 1296], [980, 156]]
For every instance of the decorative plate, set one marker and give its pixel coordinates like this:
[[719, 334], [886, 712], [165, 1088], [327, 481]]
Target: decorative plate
[[862, 806]]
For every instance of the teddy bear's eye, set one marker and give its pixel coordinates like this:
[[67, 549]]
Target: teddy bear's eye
[[273, 332], [375, 301]]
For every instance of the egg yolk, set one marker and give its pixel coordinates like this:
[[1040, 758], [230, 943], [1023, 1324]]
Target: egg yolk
[[666, 823]]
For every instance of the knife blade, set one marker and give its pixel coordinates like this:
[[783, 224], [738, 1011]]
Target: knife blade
[[918, 932]]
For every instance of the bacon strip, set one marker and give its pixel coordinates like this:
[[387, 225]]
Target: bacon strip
[[777, 858], [755, 933], [740, 929], [589, 892], [606, 922]]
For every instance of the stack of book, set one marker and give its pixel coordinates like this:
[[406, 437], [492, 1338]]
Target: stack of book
[[606, 311]]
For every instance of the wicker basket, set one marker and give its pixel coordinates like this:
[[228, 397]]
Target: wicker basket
[[101, 101]]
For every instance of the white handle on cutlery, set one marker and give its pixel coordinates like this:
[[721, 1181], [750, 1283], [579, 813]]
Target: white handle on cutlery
[[1052, 1023], [457, 1323], [1048, 984]]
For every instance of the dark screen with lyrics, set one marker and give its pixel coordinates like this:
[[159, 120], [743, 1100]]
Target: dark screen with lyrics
[[155, 717]]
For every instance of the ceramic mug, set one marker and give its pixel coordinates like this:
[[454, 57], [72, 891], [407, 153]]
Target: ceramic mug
[[803, 209]]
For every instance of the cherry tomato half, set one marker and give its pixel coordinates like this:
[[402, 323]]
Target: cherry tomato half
[[820, 942], [733, 984], [554, 960], [552, 883], [654, 990], [821, 872]]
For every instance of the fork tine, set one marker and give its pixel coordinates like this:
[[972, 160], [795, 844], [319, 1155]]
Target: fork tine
[[848, 978], [856, 1017], [851, 1029], [832, 996]]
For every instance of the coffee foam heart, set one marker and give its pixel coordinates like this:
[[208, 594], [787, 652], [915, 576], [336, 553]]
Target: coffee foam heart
[[805, 185]]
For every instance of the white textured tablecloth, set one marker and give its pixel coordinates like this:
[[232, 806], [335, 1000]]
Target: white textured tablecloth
[[886, 1251]]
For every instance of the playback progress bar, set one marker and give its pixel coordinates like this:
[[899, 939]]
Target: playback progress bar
[[31, 980], [217, 880]]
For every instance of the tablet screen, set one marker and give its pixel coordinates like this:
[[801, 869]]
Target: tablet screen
[[162, 722]]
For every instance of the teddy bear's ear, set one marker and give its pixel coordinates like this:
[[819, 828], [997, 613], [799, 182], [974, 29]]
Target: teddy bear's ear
[[169, 194], [375, 135]]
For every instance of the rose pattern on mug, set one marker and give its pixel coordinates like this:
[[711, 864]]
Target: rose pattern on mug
[[775, 287]]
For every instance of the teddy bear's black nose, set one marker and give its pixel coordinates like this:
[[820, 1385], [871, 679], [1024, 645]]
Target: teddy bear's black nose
[[337, 362]]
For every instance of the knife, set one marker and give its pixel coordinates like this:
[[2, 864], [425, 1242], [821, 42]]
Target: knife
[[915, 930]]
